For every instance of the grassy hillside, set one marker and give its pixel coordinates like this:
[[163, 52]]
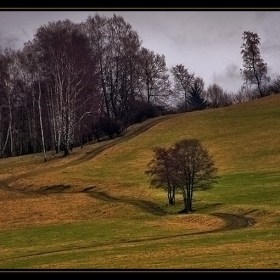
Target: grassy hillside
[[95, 209]]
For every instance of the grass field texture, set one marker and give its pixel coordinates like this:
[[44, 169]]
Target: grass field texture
[[95, 209]]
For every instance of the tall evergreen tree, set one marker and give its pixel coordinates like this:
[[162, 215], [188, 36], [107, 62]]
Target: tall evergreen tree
[[195, 100]]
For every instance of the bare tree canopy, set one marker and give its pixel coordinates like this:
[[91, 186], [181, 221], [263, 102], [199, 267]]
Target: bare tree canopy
[[155, 83], [183, 80], [186, 166], [274, 86], [217, 97], [254, 70]]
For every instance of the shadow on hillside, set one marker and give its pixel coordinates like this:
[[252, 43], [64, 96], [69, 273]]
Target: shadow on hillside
[[144, 205]]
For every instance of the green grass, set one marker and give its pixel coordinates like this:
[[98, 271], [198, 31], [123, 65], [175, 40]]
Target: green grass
[[89, 247], [244, 141], [259, 188]]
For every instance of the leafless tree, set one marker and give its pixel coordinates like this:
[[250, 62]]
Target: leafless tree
[[31, 88], [116, 46], [217, 97], [161, 168], [69, 77], [274, 86], [186, 166], [183, 80], [9, 100], [254, 71], [156, 86], [244, 94]]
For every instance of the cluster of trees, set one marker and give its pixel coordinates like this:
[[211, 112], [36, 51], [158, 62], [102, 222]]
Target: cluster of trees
[[186, 166], [77, 82], [61, 88]]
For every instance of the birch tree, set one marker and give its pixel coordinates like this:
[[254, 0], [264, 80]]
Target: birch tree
[[30, 76], [70, 77], [9, 102], [254, 71]]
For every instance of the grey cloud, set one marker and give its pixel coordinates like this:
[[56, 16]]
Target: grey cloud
[[208, 43], [9, 41], [230, 79]]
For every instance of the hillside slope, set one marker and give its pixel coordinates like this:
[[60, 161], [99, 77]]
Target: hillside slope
[[243, 140]]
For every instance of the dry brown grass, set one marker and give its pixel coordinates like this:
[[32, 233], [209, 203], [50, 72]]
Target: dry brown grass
[[117, 172], [194, 222]]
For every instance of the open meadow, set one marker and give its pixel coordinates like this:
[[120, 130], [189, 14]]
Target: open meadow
[[95, 209]]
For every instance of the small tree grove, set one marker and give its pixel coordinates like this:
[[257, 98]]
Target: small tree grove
[[186, 166]]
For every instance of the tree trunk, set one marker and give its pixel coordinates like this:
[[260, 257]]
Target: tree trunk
[[41, 123], [171, 195]]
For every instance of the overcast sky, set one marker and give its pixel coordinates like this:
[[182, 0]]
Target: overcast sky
[[206, 42]]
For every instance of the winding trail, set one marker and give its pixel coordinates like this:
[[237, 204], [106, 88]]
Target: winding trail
[[232, 222], [128, 134]]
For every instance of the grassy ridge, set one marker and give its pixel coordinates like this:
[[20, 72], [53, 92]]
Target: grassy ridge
[[117, 230], [243, 140]]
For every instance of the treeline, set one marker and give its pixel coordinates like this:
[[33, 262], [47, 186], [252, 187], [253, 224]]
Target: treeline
[[77, 82]]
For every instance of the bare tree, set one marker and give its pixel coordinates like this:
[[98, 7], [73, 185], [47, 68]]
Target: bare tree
[[244, 94], [69, 76], [217, 97], [254, 70], [41, 121], [116, 46], [31, 87], [8, 79], [274, 86], [155, 80], [161, 168], [186, 166], [183, 80]]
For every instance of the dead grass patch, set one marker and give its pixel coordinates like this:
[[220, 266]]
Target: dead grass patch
[[196, 222], [21, 210]]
